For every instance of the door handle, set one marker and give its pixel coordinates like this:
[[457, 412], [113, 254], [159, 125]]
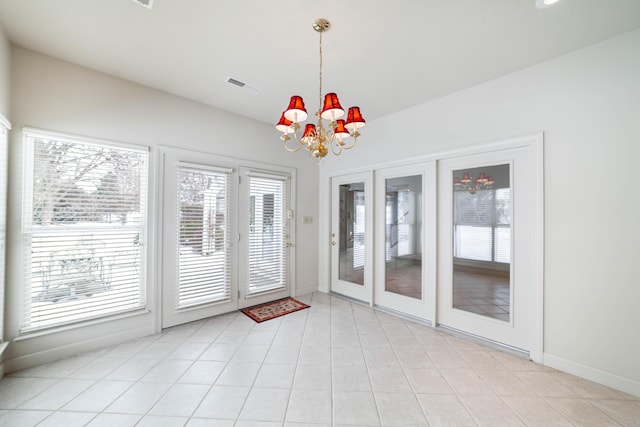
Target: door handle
[[333, 243]]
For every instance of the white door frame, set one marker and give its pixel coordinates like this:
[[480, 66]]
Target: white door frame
[[534, 142], [423, 308], [360, 292], [236, 164]]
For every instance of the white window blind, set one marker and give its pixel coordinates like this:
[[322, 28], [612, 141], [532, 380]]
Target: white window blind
[[268, 261], [482, 225], [204, 233], [84, 218]]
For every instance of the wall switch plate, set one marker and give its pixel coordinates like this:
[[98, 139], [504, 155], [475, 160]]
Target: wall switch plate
[[307, 220]]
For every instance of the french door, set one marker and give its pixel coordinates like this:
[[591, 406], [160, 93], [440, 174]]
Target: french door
[[405, 229], [486, 246], [265, 236], [215, 213], [351, 235]]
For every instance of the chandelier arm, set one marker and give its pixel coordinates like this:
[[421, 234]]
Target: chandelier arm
[[334, 144], [353, 144], [292, 150]]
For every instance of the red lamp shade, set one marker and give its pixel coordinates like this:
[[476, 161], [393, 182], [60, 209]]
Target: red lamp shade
[[489, 180], [296, 112], [309, 133], [332, 109], [482, 178], [354, 119], [456, 182], [340, 131], [466, 178], [284, 124]]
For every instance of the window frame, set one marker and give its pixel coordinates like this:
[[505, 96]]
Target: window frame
[[29, 136]]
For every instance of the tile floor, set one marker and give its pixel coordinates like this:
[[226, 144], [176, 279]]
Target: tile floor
[[336, 363]]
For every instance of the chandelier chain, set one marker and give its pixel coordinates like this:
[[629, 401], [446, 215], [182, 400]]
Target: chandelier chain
[[320, 93]]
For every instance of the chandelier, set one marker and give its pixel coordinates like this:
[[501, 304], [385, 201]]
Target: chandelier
[[317, 138], [467, 183]]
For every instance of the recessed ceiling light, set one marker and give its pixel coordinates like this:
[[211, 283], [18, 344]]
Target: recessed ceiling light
[[541, 4]]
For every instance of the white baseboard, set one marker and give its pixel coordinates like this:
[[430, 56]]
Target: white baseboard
[[56, 353], [596, 375]]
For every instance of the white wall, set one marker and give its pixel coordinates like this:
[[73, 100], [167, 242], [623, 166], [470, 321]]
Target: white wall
[[51, 94], [588, 105], [5, 56]]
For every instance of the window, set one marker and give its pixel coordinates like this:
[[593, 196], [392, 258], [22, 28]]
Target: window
[[204, 257], [482, 224], [84, 220]]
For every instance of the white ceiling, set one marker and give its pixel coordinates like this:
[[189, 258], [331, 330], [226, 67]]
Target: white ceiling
[[384, 56]]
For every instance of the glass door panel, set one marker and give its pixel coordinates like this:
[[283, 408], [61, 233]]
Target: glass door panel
[[350, 227], [403, 236], [405, 253], [351, 233], [482, 241]]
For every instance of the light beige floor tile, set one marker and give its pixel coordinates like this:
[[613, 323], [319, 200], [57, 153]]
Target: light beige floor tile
[[239, 374], [139, 398], [412, 359], [67, 419], [381, 358], [112, 420], [275, 376], [97, 397], [265, 404], [581, 412], [282, 354], [428, 381], [347, 356], [399, 409], [310, 377], [625, 412], [208, 422], [181, 400], [202, 372], [315, 356], [157, 350], [388, 380], [219, 352], [16, 390], [23, 418], [167, 371], [534, 411], [57, 395], [355, 408], [490, 411], [466, 382], [188, 351], [250, 353], [482, 360], [504, 383], [160, 421], [447, 359], [545, 384], [351, 378], [98, 368], [132, 370], [444, 410], [222, 402]]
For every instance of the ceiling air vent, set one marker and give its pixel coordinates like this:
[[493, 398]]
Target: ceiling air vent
[[146, 3], [243, 85]]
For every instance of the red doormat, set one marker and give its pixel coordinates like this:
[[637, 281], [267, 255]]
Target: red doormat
[[273, 309]]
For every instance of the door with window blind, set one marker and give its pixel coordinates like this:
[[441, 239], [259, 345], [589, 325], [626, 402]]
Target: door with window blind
[[264, 216], [198, 237], [486, 246]]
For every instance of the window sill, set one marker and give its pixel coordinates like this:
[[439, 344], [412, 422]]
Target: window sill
[[54, 330]]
